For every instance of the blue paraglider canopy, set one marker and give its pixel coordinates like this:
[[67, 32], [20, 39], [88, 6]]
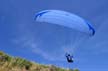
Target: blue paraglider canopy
[[66, 19]]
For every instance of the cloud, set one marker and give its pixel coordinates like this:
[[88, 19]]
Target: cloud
[[36, 47]]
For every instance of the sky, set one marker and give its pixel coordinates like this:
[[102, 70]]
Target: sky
[[21, 35]]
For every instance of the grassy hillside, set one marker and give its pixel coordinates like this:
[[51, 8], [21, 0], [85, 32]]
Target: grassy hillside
[[9, 63]]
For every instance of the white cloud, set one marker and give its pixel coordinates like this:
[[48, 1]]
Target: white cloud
[[34, 46]]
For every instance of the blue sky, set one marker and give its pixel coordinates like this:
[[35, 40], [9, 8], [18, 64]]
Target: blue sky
[[44, 43]]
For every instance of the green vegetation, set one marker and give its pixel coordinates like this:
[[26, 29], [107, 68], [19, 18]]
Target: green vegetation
[[9, 63]]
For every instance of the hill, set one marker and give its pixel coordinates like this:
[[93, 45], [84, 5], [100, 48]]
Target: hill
[[9, 63]]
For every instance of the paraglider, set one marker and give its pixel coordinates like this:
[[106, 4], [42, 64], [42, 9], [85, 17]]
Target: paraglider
[[69, 58], [66, 19]]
